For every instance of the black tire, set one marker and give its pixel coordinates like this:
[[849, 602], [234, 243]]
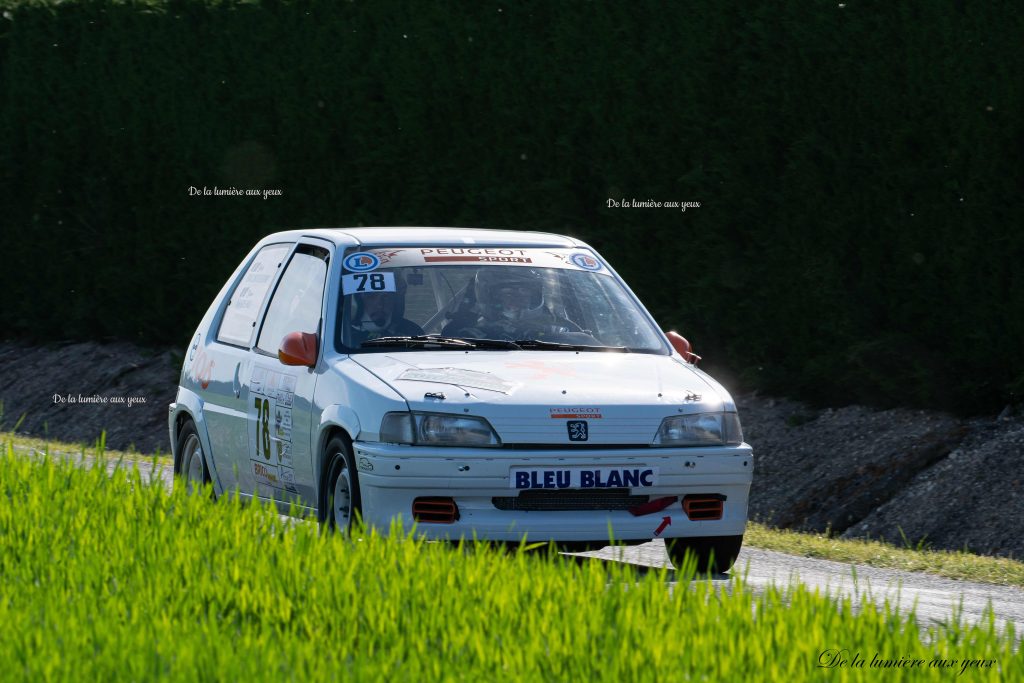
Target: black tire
[[341, 504], [715, 554], [193, 470]]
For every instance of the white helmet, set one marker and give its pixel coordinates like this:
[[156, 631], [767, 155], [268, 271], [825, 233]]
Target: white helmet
[[509, 292]]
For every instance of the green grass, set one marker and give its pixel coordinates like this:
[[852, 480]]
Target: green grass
[[31, 444], [106, 578], [951, 564]]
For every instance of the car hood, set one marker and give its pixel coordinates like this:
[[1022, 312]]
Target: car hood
[[530, 396]]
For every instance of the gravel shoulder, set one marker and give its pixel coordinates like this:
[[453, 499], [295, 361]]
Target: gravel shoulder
[[72, 392], [908, 477]]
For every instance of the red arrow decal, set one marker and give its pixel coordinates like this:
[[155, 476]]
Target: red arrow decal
[[665, 521]]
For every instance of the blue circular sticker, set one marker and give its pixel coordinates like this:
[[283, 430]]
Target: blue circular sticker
[[586, 262], [361, 261]]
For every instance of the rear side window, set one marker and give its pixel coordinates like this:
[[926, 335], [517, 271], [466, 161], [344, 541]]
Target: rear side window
[[239, 321], [296, 304]]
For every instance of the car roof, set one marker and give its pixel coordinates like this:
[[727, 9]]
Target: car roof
[[430, 236]]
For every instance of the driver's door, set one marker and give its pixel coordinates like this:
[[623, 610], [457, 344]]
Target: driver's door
[[279, 411]]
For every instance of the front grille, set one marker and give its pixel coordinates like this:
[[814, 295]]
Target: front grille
[[570, 499], [574, 446]]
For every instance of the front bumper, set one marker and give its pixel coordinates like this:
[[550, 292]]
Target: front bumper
[[392, 476]]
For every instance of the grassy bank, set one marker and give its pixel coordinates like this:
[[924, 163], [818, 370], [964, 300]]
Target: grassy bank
[[32, 444], [105, 578], [951, 564]]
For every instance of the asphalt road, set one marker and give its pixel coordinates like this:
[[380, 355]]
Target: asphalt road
[[933, 599]]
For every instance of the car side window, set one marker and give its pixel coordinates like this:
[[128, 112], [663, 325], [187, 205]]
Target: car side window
[[296, 304], [239, 321]]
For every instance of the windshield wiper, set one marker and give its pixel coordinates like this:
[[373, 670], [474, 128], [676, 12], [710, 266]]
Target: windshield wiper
[[442, 342], [466, 343], [420, 340], [540, 345], [482, 343]]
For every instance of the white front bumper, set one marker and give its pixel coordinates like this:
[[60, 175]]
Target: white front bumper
[[392, 476]]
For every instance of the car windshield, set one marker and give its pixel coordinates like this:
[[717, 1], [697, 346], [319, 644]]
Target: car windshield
[[409, 299]]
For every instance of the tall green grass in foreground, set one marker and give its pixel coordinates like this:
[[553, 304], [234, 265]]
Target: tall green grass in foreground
[[106, 578]]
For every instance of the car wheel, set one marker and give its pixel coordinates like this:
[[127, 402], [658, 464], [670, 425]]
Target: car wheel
[[341, 502], [193, 472], [715, 554]]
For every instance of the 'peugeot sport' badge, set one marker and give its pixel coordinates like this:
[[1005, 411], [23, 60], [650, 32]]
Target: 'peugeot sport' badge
[[577, 430]]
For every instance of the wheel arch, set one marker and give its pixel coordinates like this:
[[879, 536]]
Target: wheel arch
[[179, 424], [190, 407], [326, 436], [335, 419]]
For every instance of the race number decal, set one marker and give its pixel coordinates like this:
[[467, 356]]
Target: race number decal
[[270, 409], [365, 283]]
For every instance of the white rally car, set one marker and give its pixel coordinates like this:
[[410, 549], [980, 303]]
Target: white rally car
[[474, 382]]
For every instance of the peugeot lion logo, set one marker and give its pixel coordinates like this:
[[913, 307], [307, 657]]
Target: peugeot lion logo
[[577, 430]]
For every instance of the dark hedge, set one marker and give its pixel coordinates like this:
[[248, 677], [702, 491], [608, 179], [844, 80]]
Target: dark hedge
[[857, 166]]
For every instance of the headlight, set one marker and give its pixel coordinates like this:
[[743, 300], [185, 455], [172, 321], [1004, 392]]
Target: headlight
[[702, 429], [437, 429]]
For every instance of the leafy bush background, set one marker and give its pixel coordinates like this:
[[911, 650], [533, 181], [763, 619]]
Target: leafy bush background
[[858, 166]]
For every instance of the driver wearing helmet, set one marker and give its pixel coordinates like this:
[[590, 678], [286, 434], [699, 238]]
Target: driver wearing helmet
[[510, 304], [380, 314]]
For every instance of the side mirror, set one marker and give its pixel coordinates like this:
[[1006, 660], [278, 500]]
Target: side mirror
[[298, 348], [683, 347]]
